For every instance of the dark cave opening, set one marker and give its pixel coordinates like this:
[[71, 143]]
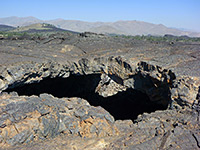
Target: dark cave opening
[[124, 105]]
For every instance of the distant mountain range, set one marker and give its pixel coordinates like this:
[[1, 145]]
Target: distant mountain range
[[119, 27]]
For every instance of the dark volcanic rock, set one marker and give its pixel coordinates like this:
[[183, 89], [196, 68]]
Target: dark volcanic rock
[[168, 74], [45, 116]]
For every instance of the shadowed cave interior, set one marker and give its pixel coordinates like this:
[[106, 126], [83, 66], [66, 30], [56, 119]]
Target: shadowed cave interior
[[124, 105]]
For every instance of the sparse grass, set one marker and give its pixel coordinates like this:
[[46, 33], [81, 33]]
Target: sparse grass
[[165, 38], [11, 34], [17, 34], [23, 35]]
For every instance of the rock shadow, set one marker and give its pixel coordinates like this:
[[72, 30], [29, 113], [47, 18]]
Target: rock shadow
[[124, 105]]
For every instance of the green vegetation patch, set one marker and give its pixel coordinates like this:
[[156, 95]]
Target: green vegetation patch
[[165, 38]]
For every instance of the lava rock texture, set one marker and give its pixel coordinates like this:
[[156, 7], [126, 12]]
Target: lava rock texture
[[167, 73]]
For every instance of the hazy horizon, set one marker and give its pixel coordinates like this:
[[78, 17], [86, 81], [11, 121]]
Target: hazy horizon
[[181, 14]]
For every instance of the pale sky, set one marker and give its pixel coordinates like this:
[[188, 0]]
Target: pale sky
[[172, 13]]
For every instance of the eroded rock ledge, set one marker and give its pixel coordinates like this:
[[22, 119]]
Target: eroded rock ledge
[[117, 75], [24, 119]]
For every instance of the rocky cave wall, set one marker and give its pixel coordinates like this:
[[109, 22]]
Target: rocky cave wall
[[29, 118], [124, 105], [117, 75]]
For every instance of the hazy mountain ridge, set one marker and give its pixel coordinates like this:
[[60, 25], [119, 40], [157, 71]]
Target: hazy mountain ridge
[[19, 21], [118, 27]]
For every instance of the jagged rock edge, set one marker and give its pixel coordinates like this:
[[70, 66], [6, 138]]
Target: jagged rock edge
[[33, 72], [15, 75]]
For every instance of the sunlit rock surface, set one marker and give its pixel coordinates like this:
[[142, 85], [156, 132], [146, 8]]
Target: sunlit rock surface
[[101, 93]]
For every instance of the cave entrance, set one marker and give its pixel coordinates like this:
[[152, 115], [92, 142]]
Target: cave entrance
[[124, 105]]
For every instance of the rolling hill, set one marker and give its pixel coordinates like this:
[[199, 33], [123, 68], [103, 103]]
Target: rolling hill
[[39, 27], [34, 28], [6, 27]]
